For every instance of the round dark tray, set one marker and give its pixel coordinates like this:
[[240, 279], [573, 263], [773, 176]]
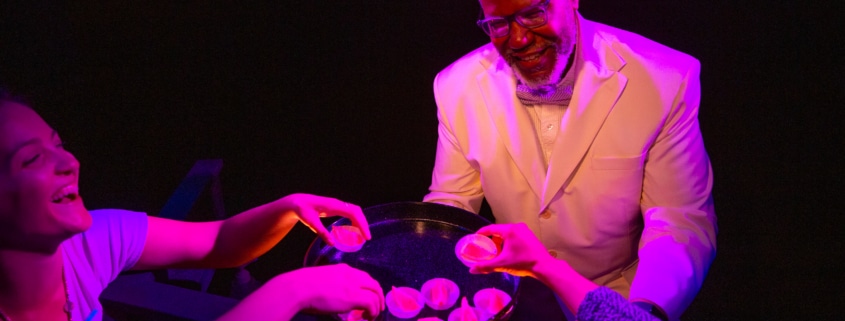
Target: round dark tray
[[412, 243]]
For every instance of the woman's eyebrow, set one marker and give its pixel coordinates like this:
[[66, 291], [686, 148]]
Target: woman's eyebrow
[[14, 151]]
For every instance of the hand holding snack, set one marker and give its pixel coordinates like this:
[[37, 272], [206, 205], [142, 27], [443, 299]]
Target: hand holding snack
[[521, 250], [475, 248]]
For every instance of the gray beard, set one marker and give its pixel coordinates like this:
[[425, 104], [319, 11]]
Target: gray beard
[[553, 78]]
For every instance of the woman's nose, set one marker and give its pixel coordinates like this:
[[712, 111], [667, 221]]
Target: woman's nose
[[67, 164]]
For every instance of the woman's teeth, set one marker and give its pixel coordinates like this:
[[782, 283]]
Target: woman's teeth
[[68, 193]]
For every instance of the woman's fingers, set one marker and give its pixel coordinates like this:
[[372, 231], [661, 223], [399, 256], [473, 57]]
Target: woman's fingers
[[356, 215], [336, 207], [370, 284]]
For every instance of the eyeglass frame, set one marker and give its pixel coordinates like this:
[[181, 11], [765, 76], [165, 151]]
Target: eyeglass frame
[[543, 6]]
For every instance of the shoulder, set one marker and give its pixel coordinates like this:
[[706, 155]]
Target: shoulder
[[469, 66], [638, 50], [111, 226], [116, 219], [97, 256]]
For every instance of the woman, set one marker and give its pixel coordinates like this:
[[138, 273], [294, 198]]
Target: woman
[[56, 257], [522, 254]]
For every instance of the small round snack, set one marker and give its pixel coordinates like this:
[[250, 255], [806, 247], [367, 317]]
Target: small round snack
[[490, 301], [440, 293], [404, 302], [475, 247], [354, 315], [348, 238], [464, 312]]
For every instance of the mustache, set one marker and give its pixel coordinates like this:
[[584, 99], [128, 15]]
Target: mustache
[[540, 44]]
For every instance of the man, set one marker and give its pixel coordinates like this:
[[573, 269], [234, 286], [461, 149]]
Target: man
[[589, 135]]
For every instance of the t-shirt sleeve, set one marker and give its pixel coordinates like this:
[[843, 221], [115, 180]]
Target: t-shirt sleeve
[[115, 240]]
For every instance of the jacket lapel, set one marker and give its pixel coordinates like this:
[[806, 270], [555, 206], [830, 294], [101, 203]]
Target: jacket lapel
[[512, 122], [597, 88]]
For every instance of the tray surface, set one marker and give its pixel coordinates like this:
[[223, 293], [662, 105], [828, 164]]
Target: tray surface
[[411, 244]]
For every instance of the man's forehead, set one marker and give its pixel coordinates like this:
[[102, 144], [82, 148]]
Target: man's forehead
[[504, 7]]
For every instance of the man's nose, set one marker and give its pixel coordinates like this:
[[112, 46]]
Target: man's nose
[[520, 37]]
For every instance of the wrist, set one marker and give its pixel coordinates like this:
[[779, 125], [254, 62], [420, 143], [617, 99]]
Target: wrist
[[564, 281], [651, 308], [545, 268], [264, 302], [285, 286]]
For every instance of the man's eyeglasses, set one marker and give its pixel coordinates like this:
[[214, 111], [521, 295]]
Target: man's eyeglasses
[[531, 17]]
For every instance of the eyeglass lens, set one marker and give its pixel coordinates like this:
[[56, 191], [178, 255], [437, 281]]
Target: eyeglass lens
[[532, 18]]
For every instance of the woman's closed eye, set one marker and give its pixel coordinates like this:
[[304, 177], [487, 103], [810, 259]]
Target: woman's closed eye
[[29, 161]]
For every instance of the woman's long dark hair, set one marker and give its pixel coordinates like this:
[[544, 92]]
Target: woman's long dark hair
[[7, 95]]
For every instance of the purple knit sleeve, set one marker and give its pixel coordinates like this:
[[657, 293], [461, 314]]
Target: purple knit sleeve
[[604, 304]]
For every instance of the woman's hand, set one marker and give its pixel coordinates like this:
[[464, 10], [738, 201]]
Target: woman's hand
[[519, 254], [334, 289], [328, 289], [310, 208], [522, 254]]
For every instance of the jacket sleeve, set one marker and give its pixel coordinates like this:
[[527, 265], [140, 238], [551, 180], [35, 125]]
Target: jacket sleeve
[[679, 235], [454, 180]]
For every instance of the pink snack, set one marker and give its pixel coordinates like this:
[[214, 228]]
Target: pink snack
[[490, 301], [440, 293], [348, 238], [354, 315], [464, 313], [475, 247], [404, 302]]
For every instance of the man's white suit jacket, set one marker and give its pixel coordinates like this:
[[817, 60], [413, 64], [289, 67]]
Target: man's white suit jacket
[[626, 196]]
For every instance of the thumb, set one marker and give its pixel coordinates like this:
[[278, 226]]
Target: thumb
[[318, 227], [483, 267], [324, 234]]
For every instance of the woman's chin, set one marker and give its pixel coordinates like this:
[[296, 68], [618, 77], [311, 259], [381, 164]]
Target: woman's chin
[[73, 216]]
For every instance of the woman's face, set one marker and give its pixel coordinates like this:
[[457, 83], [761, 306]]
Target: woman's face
[[39, 199]]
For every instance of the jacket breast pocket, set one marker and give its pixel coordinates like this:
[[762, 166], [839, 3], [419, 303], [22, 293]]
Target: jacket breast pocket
[[616, 163], [615, 185]]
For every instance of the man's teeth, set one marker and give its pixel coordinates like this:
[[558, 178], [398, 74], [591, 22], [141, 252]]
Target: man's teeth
[[68, 192], [531, 57]]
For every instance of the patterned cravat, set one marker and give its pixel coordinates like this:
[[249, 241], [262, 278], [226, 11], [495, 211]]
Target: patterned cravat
[[549, 94]]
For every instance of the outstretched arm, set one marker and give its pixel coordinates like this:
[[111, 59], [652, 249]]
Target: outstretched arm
[[522, 254], [240, 238]]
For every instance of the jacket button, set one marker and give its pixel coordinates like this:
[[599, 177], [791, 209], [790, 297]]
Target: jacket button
[[545, 215], [553, 253]]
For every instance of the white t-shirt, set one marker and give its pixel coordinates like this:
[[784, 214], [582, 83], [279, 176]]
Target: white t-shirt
[[96, 257]]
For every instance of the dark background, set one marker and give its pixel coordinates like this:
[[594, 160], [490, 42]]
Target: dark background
[[334, 98]]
